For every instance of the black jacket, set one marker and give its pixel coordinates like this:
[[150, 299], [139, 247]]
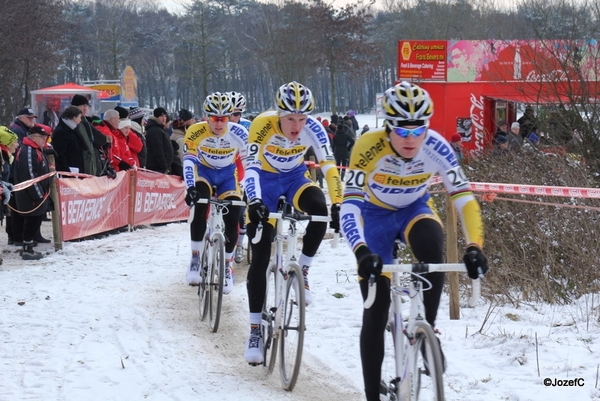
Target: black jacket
[[160, 151], [70, 148], [342, 143], [31, 162]]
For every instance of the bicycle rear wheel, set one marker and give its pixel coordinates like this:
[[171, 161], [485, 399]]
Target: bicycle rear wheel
[[291, 339], [203, 288], [216, 281], [268, 322], [427, 381]]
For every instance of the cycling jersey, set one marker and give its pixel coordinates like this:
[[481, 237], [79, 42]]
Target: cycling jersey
[[205, 150], [270, 151], [379, 178]]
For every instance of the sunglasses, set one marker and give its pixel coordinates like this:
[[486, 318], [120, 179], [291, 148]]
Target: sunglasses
[[218, 119], [237, 114], [406, 132]]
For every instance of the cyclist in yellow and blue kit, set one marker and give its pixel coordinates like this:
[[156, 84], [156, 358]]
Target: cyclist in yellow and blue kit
[[386, 198], [275, 166], [210, 150]]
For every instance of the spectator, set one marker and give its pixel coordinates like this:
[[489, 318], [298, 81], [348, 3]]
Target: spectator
[[500, 146], [502, 130], [160, 150], [365, 128], [352, 115], [515, 141], [341, 145], [177, 137], [527, 122], [110, 128], [9, 141], [307, 158], [142, 154], [136, 115], [23, 122], [347, 121], [127, 143], [123, 112], [32, 202], [187, 117], [50, 118], [68, 142], [95, 141], [456, 143]]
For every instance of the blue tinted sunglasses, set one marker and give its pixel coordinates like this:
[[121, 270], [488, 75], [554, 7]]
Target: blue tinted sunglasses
[[406, 132]]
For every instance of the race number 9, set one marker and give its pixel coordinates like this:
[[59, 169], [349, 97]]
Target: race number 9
[[252, 150], [457, 177]]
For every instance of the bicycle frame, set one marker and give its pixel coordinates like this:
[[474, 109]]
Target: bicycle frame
[[214, 242], [278, 317], [404, 335]]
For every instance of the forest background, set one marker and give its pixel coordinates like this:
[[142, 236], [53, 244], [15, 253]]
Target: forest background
[[344, 54]]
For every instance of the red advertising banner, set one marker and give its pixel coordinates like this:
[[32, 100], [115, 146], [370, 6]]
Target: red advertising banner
[[422, 60], [159, 198], [93, 205]]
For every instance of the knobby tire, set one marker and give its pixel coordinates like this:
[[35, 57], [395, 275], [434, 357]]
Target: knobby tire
[[216, 282]]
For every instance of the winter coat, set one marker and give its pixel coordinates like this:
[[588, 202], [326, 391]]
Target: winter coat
[[177, 136], [70, 147], [341, 144], [142, 154], [31, 162], [95, 140], [158, 144]]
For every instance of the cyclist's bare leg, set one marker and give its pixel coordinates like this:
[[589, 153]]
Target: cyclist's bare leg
[[372, 336]]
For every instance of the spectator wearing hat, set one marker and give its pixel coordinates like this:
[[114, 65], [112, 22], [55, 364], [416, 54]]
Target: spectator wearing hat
[[160, 150], [123, 112], [500, 146], [23, 122], [501, 131], [137, 115], [137, 129], [347, 121], [456, 143], [9, 141], [352, 115], [187, 117], [128, 145], [31, 162], [95, 141]]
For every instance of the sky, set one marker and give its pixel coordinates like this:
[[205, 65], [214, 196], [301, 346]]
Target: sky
[[112, 319]]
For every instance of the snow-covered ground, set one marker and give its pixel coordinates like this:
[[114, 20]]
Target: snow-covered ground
[[112, 319]]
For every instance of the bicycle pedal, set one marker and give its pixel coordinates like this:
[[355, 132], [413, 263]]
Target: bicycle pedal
[[254, 364]]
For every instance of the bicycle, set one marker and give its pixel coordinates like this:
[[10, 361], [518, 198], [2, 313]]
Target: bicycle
[[416, 336], [212, 271], [283, 313]]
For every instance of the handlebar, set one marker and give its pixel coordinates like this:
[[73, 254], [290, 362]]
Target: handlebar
[[295, 216], [230, 202], [422, 268]]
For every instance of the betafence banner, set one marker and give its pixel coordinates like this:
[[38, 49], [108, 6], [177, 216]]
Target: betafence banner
[[93, 205], [159, 198]]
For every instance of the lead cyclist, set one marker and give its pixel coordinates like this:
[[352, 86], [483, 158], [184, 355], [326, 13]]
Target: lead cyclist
[[275, 166], [386, 198]]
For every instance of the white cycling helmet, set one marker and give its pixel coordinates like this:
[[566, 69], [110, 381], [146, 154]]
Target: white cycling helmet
[[218, 104], [238, 100], [294, 98], [406, 104]]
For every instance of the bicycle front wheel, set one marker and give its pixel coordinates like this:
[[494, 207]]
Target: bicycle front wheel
[[203, 288], [217, 273], [291, 338], [427, 380]]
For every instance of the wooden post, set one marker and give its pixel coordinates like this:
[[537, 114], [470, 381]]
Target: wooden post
[[56, 214], [132, 198], [452, 257]]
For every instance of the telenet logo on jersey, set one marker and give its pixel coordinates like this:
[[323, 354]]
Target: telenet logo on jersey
[[394, 180], [217, 152], [276, 150]]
